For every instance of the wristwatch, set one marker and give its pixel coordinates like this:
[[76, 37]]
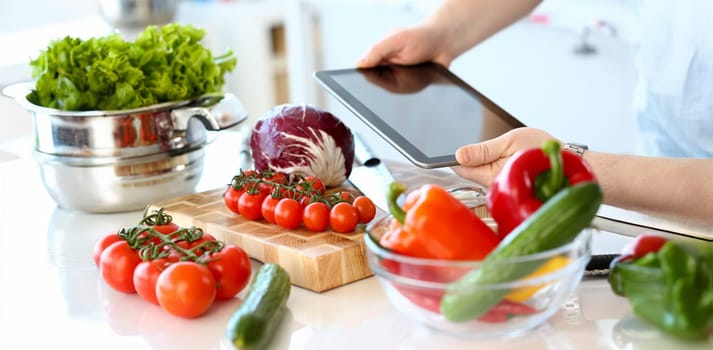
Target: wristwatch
[[576, 148]]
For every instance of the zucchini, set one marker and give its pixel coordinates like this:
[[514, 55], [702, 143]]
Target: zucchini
[[258, 316], [557, 222]]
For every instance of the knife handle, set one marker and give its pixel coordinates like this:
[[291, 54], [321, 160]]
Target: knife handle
[[362, 153], [599, 265]]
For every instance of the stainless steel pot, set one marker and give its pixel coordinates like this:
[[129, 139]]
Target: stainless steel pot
[[138, 13], [100, 185], [136, 132], [112, 161]]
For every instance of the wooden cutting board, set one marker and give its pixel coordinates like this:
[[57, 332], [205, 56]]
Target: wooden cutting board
[[316, 261]]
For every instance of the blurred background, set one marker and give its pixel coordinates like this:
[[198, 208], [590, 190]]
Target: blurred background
[[568, 68]]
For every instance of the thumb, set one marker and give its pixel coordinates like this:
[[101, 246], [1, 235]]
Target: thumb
[[481, 153]]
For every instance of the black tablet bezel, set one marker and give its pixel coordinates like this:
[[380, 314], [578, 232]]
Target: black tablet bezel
[[393, 137]]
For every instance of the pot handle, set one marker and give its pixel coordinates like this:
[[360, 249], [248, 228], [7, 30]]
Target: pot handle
[[227, 112], [18, 90]]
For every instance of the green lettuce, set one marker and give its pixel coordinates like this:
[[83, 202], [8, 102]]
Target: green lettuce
[[109, 73]]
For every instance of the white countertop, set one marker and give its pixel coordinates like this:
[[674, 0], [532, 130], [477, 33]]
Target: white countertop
[[51, 295]]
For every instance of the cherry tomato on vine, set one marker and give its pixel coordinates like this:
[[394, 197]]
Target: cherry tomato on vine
[[145, 277], [206, 237], [288, 213], [104, 242], [317, 185], [346, 196], [265, 189], [186, 289], [117, 264], [250, 205], [167, 228], [316, 216], [248, 173], [343, 217], [230, 197], [231, 269], [365, 207], [305, 201], [267, 208], [279, 178]]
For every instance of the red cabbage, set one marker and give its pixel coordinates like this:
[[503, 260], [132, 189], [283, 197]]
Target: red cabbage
[[305, 140]]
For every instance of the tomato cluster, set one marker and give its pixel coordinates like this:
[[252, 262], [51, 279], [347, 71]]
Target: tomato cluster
[[184, 270], [291, 201]]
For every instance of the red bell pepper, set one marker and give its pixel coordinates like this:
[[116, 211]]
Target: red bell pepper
[[530, 178], [434, 224]]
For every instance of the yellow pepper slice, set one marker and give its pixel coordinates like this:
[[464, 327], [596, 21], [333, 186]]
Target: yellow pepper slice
[[523, 293]]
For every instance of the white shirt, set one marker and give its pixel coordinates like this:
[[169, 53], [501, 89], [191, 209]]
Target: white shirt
[[675, 94]]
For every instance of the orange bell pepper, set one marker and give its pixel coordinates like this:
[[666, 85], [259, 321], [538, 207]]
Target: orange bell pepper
[[434, 224]]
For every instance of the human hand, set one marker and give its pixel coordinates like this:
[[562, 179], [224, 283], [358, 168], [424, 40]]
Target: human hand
[[481, 162], [400, 79], [408, 46]]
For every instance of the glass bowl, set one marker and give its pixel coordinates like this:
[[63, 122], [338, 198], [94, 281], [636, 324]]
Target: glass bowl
[[415, 286]]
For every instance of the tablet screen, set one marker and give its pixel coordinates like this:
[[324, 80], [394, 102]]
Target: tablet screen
[[424, 111]]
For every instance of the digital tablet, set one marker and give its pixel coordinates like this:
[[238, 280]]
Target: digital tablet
[[424, 111]]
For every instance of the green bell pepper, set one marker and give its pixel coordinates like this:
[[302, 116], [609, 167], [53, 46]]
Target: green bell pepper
[[671, 288]]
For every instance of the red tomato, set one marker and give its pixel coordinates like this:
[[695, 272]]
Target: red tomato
[[305, 201], [104, 242], [426, 298], [316, 216], [265, 188], [346, 196], [366, 209], [167, 228], [186, 289], [316, 184], [206, 237], [231, 269], [343, 217], [162, 229], [268, 208], [230, 197], [145, 277], [288, 213], [250, 205], [117, 264], [644, 244], [278, 178]]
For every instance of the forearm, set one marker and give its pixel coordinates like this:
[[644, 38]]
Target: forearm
[[473, 21], [676, 186]]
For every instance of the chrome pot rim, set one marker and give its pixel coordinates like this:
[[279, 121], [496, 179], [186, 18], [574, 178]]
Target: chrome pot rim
[[47, 158]]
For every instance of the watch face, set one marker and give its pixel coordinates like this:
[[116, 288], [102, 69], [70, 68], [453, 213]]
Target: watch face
[[576, 148]]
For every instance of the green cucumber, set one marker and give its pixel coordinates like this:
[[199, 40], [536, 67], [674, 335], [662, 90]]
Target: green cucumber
[[254, 322], [557, 222]]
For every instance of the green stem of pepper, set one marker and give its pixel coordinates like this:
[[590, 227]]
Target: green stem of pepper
[[392, 194], [552, 181]]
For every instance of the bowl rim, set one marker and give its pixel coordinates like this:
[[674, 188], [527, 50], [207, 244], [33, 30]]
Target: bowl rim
[[386, 253]]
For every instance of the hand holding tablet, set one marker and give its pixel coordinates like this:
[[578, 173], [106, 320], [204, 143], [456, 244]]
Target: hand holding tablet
[[424, 111]]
